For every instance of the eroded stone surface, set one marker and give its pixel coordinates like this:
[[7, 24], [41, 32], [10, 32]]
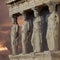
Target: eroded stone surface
[[48, 55]]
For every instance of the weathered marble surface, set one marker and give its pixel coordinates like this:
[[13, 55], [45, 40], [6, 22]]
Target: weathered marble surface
[[47, 55], [52, 31], [13, 9], [37, 35], [24, 30]]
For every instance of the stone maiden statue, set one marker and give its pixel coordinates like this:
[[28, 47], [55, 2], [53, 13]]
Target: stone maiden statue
[[14, 36], [52, 29], [36, 39]]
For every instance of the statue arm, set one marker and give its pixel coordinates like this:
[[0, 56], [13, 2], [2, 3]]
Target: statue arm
[[47, 18], [17, 28], [22, 29], [57, 18], [32, 39]]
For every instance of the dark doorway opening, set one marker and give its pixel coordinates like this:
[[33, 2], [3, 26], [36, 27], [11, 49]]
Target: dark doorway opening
[[58, 12], [30, 17], [44, 13]]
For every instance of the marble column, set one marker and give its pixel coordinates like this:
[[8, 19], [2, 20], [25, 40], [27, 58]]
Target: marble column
[[14, 36], [36, 39], [52, 29], [25, 29]]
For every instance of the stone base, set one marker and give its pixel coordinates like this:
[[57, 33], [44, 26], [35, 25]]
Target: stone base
[[47, 55]]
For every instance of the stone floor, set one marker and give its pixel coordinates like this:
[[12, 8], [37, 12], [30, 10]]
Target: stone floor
[[47, 55]]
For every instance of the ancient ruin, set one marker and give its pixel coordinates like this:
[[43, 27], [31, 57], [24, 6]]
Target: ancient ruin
[[40, 30]]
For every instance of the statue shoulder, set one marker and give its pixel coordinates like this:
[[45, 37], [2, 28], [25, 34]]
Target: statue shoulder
[[25, 25], [51, 16]]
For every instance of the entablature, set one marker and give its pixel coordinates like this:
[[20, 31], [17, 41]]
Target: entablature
[[20, 7]]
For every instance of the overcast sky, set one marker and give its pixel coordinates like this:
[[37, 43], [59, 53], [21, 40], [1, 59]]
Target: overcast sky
[[5, 22], [5, 26]]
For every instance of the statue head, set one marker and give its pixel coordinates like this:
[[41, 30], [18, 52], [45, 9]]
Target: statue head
[[35, 13], [51, 7], [24, 16], [14, 20]]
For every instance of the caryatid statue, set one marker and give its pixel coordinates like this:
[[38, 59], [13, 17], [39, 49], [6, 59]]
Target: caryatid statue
[[25, 29], [52, 29], [36, 39], [14, 36]]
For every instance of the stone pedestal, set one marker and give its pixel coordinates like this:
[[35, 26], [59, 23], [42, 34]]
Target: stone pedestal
[[47, 55]]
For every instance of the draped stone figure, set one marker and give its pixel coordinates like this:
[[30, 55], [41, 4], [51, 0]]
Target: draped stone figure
[[52, 30], [36, 39], [14, 36], [25, 29]]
